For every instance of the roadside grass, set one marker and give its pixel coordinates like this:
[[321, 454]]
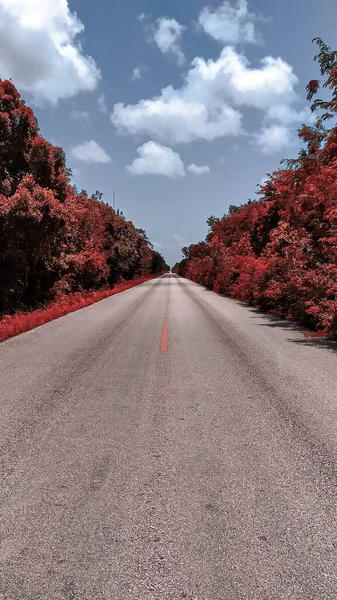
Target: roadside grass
[[12, 325]]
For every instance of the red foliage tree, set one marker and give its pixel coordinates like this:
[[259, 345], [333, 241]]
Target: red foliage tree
[[280, 253], [54, 240]]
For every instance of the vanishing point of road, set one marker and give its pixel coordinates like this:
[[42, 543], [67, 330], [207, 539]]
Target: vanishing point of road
[[166, 444]]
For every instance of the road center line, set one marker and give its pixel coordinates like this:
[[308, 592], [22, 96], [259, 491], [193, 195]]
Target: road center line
[[164, 340]]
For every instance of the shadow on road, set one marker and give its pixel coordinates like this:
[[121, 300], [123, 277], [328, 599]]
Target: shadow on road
[[324, 342], [273, 321]]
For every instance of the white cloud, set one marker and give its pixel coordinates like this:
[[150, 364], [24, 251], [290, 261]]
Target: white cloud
[[272, 83], [82, 116], [155, 159], [102, 104], [279, 131], [90, 152], [198, 170], [167, 34], [273, 139], [206, 106], [136, 73], [178, 238], [39, 49], [177, 120], [229, 24], [287, 115]]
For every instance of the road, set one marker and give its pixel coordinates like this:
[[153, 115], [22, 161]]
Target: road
[[166, 444]]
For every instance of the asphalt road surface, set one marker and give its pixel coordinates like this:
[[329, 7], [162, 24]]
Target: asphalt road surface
[[168, 444]]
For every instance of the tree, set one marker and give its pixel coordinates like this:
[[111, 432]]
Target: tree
[[280, 253], [143, 235], [212, 220], [53, 239]]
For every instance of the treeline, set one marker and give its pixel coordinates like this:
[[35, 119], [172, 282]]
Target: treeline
[[54, 240], [279, 253]]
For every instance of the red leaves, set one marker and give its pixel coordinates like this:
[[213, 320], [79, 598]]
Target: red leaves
[[281, 253], [312, 88], [18, 128], [11, 326], [53, 240]]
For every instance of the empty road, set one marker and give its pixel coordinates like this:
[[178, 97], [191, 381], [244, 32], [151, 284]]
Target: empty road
[[168, 444]]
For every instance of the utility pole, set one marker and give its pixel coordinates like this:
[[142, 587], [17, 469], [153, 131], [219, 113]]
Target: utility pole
[[113, 200]]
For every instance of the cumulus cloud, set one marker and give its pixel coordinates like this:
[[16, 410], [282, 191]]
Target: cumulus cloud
[[177, 120], [90, 152], [167, 34], [198, 170], [206, 106], [40, 51], [287, 115], [155, 159], [273, 139], [229, 24]]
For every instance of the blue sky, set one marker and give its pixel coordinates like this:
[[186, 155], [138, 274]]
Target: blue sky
[[181, 107]]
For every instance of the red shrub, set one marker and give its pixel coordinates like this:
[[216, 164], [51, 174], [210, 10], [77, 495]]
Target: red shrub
[[54, 240], [12, 325], [280, 253]]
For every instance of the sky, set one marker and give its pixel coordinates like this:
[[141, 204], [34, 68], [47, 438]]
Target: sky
[[181, 107]]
